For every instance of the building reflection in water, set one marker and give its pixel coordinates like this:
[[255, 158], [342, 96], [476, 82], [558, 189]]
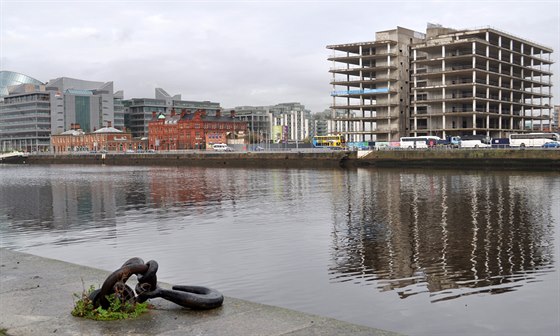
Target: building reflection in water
[[449, 234], [70, 202], [80, 198]]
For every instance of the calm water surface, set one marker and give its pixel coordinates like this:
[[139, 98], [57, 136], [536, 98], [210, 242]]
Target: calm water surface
[[413, 251]]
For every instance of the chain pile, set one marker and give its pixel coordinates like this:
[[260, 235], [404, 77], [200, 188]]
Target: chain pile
[[194, 297]]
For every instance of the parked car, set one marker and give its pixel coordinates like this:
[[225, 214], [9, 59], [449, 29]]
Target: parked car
[[551, 144]]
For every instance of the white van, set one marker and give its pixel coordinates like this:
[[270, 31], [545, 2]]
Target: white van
[[222, 148]]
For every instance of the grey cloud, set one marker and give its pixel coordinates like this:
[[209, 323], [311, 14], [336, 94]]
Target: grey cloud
[[235, 53]]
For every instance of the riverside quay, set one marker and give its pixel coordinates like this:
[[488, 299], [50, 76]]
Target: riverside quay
[[461, 158]]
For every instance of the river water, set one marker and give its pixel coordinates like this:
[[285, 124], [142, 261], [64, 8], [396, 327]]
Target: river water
[[421, 252]]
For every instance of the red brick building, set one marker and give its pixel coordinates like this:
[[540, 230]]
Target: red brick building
[[193, 130], [104, 139]]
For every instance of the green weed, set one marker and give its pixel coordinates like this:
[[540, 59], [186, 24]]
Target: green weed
[[117, 310]]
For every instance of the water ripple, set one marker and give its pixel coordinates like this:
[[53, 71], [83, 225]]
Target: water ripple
[[368, 246]]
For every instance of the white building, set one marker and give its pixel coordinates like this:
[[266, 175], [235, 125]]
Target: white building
[[263, 121], [295, 117]]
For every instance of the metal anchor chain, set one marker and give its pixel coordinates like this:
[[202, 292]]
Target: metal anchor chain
[[193, 297]]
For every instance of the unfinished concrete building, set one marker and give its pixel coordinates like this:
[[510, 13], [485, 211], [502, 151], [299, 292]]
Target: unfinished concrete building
[[480, 81], [445, 82], [371, 86]]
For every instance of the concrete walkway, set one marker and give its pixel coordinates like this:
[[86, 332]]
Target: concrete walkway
[[36, 297]]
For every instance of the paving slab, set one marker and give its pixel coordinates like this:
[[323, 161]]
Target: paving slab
[[37, 295]]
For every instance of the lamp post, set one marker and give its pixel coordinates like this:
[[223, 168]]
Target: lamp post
[[252, 130], [249, 133]]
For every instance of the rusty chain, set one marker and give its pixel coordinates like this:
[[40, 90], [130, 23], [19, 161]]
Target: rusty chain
[[194, 297]]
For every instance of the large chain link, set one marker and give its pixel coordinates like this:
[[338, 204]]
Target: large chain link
[[194, 297]]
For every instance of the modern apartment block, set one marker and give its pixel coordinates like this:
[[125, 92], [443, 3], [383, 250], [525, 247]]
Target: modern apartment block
[[445, 82], [258, 120], [138, 111], [262, 120], [319, 123], [295, 117]]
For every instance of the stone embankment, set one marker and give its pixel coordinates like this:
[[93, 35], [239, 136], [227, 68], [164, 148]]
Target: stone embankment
[[287, 159], [462, 158], [458, 158]]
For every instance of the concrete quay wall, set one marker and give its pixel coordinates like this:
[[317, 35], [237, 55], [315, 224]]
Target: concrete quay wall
[[291, 159], [462, 158], [459, 158]]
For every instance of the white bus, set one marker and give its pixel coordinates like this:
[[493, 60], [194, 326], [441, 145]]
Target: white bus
[[475, 141], [532, 139], [222, 148], [422, 141]]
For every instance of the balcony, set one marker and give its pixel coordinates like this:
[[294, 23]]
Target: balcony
[[360, 92]]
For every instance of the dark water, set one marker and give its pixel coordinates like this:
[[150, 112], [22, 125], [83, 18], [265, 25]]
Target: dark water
[[418, 252]]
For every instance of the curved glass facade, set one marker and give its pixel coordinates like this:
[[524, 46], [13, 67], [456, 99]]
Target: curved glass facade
[[8, 78], [25, 118]]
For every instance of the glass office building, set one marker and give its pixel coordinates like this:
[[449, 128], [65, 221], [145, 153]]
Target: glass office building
[[25, 122], [9, 78]]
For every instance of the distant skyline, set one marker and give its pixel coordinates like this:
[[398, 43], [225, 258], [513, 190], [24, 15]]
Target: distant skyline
[[233, 52]]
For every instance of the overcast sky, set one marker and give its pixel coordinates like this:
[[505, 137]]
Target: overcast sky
[[232, 52]]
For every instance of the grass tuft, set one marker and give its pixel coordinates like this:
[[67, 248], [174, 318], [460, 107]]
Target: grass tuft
[[117, 310]]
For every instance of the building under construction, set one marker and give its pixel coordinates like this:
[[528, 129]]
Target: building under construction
[[444, 82]]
